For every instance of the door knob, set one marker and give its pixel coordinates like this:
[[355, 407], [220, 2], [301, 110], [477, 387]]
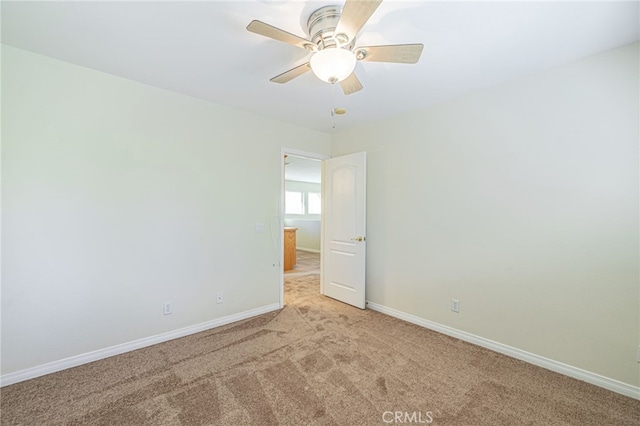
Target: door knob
[[359, 238]]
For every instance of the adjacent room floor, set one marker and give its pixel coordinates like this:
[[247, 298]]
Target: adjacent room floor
[[306, 262]]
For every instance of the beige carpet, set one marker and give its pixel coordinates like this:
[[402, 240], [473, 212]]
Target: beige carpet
[[315, 362]]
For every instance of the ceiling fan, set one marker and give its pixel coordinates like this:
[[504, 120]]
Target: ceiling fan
[[332, 35]]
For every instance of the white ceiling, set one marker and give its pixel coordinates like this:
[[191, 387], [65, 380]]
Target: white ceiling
[[202, 49], [303, 169]]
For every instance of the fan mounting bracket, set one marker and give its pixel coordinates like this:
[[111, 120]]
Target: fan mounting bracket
[[321, 27]]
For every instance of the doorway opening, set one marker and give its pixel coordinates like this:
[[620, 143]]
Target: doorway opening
[[301, 218]]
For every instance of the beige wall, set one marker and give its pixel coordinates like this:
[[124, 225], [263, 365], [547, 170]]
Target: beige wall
[[521, 201], [116, 197]]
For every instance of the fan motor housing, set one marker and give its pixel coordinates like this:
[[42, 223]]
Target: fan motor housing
[[321, 27]]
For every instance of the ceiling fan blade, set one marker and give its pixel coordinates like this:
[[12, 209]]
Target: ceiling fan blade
[[270, 31], [291, 74], [355, 14], [351, 84], [401, 53]]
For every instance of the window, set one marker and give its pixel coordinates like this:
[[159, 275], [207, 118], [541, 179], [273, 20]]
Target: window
[[294, 202], [313, 203], [303, 203]]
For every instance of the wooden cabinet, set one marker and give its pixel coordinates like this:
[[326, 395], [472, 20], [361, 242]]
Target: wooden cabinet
[[289, 248]]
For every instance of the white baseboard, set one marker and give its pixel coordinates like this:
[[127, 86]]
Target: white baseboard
[[540, 361], [308, 249], [74, 361]]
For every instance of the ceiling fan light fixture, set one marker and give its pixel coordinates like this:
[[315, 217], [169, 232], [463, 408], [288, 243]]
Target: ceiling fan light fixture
[[333, 64]]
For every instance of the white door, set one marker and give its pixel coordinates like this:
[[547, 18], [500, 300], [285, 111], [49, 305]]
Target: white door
[[344, 243]]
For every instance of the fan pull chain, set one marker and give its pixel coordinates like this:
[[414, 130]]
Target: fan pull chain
[[333, 108]]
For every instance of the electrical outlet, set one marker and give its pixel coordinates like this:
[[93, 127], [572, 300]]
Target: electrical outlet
[[168, 308], [455, 305], [220, 297]]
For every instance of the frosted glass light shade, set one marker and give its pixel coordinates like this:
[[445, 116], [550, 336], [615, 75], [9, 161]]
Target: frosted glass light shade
[[333, 64]]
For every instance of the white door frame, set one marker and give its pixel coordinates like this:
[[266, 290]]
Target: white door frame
[[299, 153]]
